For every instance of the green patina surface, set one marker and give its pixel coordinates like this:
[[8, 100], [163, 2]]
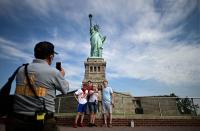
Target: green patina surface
[[96, 40]]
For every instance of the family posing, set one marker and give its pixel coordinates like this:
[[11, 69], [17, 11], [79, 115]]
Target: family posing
[[88, 96]]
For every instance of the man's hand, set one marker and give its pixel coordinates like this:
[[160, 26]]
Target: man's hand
[[62, 72], [113, 105]]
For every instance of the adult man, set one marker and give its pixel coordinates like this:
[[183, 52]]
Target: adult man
[[107, 102], [29, 109], [89, 85]]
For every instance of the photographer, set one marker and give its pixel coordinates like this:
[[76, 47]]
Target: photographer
[[35, 111]]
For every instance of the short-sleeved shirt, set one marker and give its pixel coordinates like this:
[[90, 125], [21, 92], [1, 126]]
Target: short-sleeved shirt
[[81, 98], [89, 88], [107, 94], [45, 80], [93, 96]]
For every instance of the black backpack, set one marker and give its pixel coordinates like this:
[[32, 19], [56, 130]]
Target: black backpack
[[6, 100]]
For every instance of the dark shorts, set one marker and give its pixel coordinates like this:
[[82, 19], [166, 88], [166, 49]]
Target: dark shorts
[[26, 124], [82, 107], [92, 107]]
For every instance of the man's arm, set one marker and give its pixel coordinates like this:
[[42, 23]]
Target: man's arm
[[112, 96], [60, 83]]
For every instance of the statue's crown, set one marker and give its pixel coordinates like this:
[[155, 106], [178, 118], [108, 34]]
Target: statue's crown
[[96, 27]]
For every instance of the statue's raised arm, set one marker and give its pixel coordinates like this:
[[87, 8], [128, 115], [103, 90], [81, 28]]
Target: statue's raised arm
[[96, 40], [90, 17]]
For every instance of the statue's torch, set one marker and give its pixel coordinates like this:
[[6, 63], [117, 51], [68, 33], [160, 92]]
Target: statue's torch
[[90, 17]]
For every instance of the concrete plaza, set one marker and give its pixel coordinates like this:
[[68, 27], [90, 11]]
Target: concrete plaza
[[144, 128], [162, 128]]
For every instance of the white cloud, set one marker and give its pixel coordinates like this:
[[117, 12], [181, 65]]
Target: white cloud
[[174, 65], [11, 51], [71, 48], [72, 70], [141, 38], [74, 84], [148, 50], [42, 7], [177, 11]]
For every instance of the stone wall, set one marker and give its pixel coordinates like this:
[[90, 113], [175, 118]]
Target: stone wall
[[124, 104], [66, 104], [163, 106]]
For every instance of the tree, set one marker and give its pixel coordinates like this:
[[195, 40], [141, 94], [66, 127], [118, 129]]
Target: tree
[[186, 105]]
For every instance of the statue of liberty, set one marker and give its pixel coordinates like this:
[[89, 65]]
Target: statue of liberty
[[96, 40]]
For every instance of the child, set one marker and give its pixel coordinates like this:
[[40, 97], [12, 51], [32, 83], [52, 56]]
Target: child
[[93, 104], [82, 105]]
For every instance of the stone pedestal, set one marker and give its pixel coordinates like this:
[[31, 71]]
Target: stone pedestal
[[95, 70]]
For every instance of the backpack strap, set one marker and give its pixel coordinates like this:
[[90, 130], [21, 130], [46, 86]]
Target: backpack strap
[[32, 88]]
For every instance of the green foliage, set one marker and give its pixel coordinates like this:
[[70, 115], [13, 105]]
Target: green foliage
[[186, 105]]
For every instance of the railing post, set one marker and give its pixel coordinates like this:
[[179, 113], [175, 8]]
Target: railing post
[[195, 112], [159, 107], [59, 105], [123, 105]]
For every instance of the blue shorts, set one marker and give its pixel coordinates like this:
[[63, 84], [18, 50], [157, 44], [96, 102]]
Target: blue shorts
[[82, 107]]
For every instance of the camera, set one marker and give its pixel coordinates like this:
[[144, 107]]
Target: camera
[[58, 66]]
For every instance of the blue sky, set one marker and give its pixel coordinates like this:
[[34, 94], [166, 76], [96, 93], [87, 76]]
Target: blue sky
[[152, 46]]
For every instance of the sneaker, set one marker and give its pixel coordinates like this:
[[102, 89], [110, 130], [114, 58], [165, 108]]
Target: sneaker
[[81, 125], [90, 124], [75, 125], [104, 125], [94, 125], [110, 125]]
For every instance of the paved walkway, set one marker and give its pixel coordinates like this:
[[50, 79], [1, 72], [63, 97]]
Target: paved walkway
[[162, 128]]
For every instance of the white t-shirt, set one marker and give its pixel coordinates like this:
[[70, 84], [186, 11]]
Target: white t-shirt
[[81, 98], [93, 96]]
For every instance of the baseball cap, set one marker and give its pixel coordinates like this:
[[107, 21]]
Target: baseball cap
[[44, 49]]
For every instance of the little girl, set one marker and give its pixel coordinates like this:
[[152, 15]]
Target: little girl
[[93, 105], [82, 104]]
